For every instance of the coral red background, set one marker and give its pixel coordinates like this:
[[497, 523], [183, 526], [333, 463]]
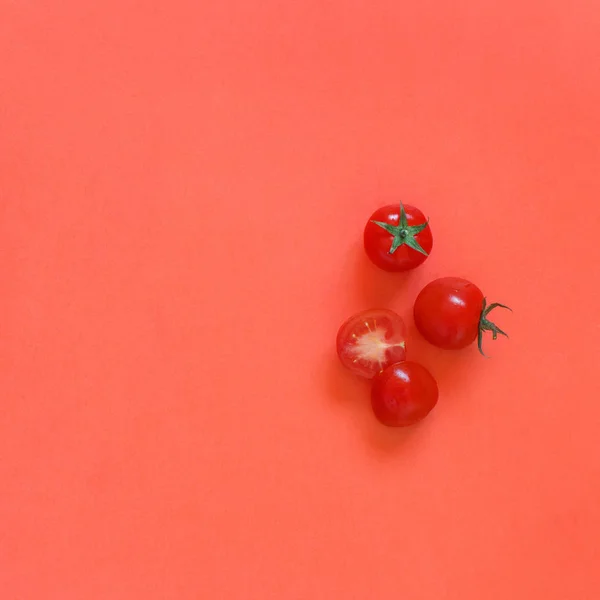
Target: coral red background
[[183, 187]]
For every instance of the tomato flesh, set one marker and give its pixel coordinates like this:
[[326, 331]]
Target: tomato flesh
[[403, 394], [371, 340]]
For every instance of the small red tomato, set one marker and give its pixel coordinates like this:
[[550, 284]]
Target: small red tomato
[[452, 313], [398, 237], [403, 394], [371, 340]]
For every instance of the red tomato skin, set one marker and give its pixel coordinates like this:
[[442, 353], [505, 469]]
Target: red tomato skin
[[403, 394], [378, 241], [447, 312], [380, 332]]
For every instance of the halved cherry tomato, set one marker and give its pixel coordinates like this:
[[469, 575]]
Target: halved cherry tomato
[[452, 313], [403, 394], [371, 340], [398, 237]]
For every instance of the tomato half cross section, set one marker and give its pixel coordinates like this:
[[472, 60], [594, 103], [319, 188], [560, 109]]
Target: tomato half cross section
[[371, 340]]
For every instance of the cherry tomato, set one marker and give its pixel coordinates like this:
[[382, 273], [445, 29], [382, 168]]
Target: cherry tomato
[[371, 340], [452, 313], [403, 394], [398, 237]]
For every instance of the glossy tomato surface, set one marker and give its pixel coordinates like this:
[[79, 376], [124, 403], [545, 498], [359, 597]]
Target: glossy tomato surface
[[397, 237], [403, 394], [371, 340], [447, 312]]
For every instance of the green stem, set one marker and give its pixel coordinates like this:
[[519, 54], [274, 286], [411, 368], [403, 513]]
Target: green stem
[[486, 325]]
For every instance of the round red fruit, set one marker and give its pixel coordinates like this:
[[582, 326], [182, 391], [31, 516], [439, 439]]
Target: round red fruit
[[371, 340], [452, 313], [398, 237], [403, 394]]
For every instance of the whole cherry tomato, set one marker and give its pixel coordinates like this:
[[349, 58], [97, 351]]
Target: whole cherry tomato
[[403, 394], [452, 313], [398, 237], [371, 340]]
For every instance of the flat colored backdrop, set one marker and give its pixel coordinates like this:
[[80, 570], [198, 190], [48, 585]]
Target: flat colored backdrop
[[183, 188]]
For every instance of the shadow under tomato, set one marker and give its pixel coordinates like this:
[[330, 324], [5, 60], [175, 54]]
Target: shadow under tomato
[[354, 392], [383, 441], [448, 367], [374, 287], [343, 386]]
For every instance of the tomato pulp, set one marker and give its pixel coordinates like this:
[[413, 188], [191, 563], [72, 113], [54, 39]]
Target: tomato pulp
[[371, 340]]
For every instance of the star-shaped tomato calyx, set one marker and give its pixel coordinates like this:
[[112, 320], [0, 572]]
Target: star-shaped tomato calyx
[[403, 233]]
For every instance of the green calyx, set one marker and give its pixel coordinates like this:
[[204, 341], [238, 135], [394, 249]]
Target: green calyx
[[487, 325], [403, 233]]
